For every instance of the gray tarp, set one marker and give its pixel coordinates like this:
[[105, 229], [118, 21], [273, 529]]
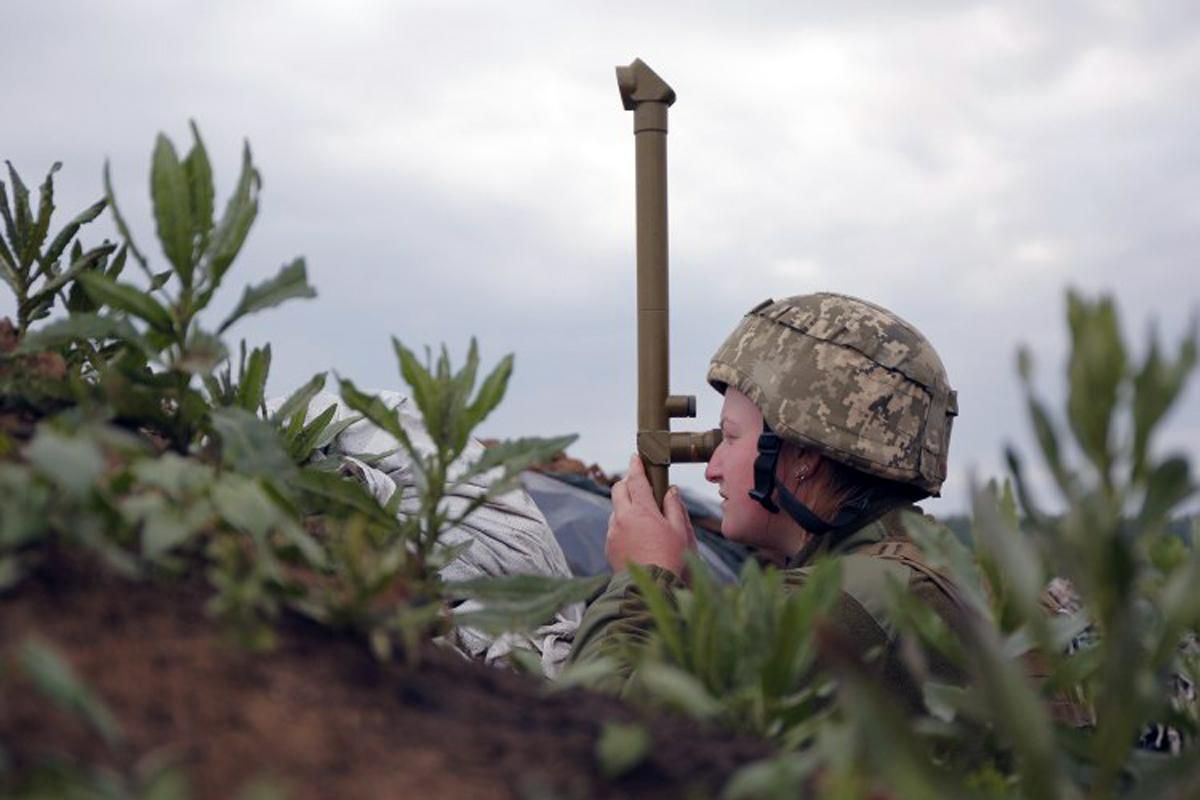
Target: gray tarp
[[578, 512]]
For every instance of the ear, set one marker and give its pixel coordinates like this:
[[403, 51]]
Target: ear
[[799, 465]]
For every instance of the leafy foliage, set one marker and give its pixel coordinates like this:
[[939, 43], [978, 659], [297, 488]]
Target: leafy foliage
[[162, 462], [33, 269]]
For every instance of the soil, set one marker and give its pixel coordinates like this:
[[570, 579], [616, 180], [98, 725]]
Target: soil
[[318, 714]]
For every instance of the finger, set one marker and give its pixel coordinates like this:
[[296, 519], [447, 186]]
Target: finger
[[676, 514], [620, 496], [640, 492]]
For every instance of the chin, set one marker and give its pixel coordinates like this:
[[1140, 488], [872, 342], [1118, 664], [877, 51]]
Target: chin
[[739, 533], [751, 532], [745, 525]]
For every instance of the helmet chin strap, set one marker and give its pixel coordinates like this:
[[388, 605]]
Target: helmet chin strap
[[767, 488]]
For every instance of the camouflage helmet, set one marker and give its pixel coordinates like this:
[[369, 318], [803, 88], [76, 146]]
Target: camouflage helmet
[[847, 378]]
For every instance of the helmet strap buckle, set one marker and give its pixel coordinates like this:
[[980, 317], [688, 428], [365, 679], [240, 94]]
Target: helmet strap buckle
[[769, 446]]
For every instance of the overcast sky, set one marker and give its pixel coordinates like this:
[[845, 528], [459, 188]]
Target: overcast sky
[[458, 169]]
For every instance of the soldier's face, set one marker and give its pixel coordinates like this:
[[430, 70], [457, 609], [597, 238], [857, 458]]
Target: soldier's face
[[732, 469]]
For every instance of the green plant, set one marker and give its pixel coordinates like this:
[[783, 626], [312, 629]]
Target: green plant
[[147, 344], [36, 275], [248, 494], [740, 656], [384, 554]]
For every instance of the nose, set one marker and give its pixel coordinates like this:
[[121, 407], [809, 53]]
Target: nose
[[712, 470]]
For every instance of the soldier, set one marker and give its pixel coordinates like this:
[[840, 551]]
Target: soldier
[[836, 418]]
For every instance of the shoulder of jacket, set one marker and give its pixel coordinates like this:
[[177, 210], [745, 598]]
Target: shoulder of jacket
[[865, 581]]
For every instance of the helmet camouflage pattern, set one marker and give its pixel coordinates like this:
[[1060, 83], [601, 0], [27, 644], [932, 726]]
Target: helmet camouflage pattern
[[847, 378]]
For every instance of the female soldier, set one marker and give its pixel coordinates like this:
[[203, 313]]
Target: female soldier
[[836, 418]]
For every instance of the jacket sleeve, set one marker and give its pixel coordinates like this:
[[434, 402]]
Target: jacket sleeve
[[617, 621]]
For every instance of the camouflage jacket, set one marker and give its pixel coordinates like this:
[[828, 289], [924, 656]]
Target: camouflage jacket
[[871, 554]]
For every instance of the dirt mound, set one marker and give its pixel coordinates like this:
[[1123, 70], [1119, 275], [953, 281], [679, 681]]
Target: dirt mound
[[318, 714]]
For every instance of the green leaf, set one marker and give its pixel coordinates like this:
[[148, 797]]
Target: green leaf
[[262, 788], [250, 445], [41, 226], [93, 258], [1167, 486], [235, 224], [74, 463], [378, 413], [10, 226], [297, 401], [165, 525], [1180, 607], [678, 689], [1014, 555], [82, 326], [253, 382], [55, 679], [78, 301], [1047, 439], [1157, 385], [666, 618], [118, 263], [200, 185], [159, 280], [122, 228], [8, 271], [127, 298], [520, 602], [335, 430], [172, 208], [491, 392], [24, 506], [788, 655], [38, 304], [340, 495], [424, 389], [1095, 370], [621, 748], [167, 781], [302, 445], [18, 232], [784, 776], [591, 673], [64, 237], [289, 283], [241, 503], [10, 575], [246, 505], [181, 478], [515, 455]]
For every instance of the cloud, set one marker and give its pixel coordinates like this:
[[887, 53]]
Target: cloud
[[466, 168]]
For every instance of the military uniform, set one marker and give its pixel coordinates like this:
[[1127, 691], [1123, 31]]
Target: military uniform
[[871, 557]]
